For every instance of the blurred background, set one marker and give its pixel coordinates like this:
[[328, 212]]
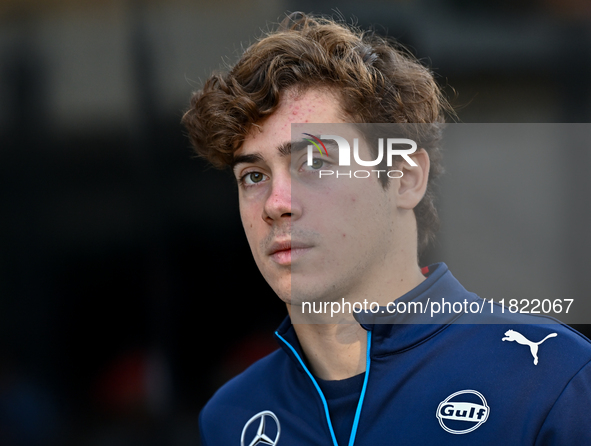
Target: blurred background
[[116, 244]]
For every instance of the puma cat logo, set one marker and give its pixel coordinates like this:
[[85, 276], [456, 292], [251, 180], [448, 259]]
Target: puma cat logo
[[520, 339]]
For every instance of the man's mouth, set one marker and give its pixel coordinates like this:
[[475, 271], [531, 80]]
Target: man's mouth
[[287, 251]]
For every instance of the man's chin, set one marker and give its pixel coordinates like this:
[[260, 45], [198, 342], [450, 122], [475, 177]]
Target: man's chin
[[281, 285]]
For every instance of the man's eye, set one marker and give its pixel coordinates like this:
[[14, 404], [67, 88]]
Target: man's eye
[[317, 163], [253, 178]]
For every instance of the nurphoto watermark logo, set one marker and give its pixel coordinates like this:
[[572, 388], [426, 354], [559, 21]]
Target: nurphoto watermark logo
[[344, 155]]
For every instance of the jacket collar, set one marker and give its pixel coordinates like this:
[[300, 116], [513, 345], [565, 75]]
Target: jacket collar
[[394, 333]]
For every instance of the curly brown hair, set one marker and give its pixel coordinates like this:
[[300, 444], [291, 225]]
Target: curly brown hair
[[376, 79]]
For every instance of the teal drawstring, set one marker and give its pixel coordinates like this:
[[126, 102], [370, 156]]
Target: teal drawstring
[[324, 403]]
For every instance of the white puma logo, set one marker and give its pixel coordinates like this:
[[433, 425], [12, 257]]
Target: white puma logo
[[520, 339]]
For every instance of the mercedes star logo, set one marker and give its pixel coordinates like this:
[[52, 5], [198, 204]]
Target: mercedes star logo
[[261, 438]]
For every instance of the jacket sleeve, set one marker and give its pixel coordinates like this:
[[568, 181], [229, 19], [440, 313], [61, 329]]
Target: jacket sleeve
[[569, 420]]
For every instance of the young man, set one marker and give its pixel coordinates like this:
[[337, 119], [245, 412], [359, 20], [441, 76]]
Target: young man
[[367, 382]]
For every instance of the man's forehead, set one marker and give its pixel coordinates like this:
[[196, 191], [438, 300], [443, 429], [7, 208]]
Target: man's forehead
[[274, 135]]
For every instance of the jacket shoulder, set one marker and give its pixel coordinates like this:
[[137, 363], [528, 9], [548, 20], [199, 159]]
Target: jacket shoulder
[[250, 389], [251, 381]]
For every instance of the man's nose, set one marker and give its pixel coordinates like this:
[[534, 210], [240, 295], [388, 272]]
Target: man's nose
[[280, 204]]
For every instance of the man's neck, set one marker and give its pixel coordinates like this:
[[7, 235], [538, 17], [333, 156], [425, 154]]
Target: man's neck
[[338, 351], [333, 351]]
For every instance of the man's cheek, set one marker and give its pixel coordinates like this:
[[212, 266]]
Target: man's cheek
[[247, 217]]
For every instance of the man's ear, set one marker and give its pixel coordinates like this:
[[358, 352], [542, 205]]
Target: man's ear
[[413, 183]]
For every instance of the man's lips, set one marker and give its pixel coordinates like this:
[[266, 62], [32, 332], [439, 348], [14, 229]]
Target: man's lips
[[284, 252]]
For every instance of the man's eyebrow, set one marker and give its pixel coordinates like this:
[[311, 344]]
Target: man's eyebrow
[[248, 158], [303, 144], [284, 149], [297, 146]]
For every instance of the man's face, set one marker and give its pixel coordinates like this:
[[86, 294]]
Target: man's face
[[323, 241]]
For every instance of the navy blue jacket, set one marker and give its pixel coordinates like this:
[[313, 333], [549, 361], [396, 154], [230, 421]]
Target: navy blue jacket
[[461, 383]]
